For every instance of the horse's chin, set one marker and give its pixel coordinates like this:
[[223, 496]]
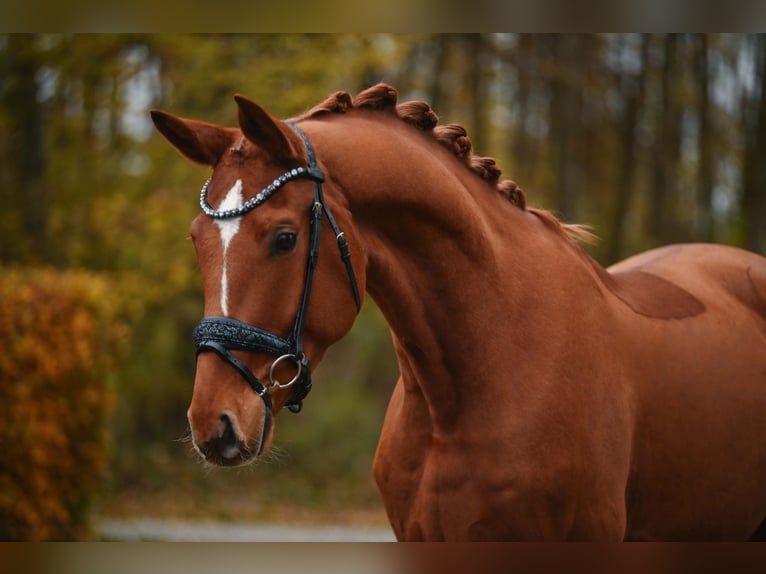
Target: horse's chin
[[230, 455]]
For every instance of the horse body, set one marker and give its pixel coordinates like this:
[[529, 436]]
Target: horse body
[[540, 396], [573, 403]]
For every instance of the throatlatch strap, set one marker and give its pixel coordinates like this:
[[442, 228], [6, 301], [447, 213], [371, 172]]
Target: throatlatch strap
[[318, 176]]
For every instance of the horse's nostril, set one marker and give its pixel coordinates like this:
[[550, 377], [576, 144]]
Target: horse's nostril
[[229, 440]]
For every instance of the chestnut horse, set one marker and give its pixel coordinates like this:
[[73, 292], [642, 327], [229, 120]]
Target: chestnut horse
[[541, 396]]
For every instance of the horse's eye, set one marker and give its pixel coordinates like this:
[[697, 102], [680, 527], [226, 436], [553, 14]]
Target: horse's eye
[[284, 242]]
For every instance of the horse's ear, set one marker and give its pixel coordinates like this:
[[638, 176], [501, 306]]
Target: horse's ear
[[199, 141], [268, 133]]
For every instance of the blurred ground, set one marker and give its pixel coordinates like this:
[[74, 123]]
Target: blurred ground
[[236, 506], [147, 529]]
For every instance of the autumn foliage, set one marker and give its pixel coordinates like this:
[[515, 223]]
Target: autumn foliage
[[58, 335]]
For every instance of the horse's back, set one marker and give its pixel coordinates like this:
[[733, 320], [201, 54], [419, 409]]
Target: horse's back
[[713, 275]]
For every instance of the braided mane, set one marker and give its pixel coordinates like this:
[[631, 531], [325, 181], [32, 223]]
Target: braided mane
[[454, 137]]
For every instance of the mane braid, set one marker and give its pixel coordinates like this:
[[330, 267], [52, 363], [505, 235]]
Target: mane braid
[[454, 137], [336, 103]]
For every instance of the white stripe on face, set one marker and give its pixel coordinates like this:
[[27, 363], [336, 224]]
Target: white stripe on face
[[228, 229]]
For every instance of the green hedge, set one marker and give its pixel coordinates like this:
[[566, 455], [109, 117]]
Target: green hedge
[[59, 337]]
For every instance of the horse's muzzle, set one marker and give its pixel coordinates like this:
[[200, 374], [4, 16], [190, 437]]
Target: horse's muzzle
[[227, 448], [226, 444]]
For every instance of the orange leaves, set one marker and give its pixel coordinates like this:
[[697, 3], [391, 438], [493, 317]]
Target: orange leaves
[[60, 335]]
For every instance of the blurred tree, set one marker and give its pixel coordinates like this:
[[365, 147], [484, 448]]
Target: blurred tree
[[667, 144], [566, 87], [631, 85], [706, 167], [521, 58], [754, 176], [22, 189]]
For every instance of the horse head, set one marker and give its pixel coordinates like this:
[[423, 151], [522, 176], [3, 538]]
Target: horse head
[[271, 310]]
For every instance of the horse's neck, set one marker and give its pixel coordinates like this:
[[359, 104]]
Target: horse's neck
[[461, 275]]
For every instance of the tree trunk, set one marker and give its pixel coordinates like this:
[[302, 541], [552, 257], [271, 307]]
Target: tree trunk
[[753, 207], [436, 92], [666, 149], [564, 114], [521, 147], [24, 200], [706, 169], [477, 58], [633, 91]]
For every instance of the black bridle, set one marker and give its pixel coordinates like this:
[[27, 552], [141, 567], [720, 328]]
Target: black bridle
[[222, 335]]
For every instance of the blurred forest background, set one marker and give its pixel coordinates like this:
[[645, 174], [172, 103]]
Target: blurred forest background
[[650, 139]]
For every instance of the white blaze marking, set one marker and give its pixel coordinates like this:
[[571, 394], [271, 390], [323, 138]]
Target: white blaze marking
[[228, 229]]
